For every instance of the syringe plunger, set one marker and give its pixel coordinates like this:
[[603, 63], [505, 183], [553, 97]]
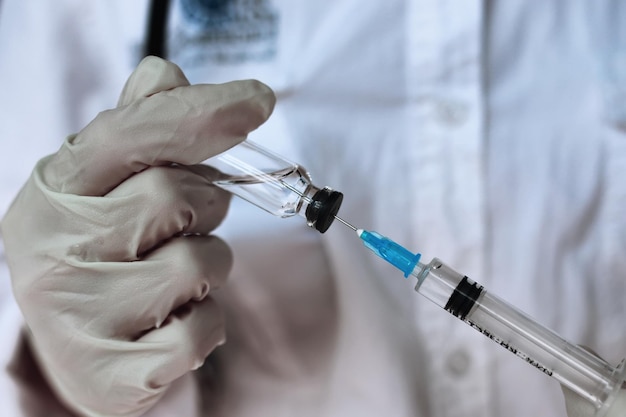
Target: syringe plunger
[[575, 368]]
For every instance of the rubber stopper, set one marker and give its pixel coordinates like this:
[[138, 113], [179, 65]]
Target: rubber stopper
[[324, 205]]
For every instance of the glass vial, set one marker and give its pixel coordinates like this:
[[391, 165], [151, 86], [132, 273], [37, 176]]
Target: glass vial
[[275, 184]]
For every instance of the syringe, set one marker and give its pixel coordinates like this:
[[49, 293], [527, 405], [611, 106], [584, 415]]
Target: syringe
[[574, 367], [284, 188]]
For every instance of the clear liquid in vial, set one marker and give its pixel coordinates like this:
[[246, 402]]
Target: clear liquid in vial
[[279, 193]]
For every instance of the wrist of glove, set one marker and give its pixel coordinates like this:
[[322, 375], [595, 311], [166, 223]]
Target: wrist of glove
[[109, 244]]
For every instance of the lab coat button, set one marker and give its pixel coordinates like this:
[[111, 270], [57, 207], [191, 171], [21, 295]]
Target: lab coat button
[[458, 363], [452, 113]]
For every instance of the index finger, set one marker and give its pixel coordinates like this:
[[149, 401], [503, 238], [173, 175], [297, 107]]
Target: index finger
[[185, 125]]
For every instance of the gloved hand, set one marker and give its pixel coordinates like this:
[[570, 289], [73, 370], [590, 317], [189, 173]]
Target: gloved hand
[[108, 242]]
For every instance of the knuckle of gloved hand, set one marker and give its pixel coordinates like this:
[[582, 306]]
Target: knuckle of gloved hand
[[207, 259], [185, 265], [207, 333], [221, 262], [162, 182], [219, 202], [188, 345], [124, 399], [193, 200], [215, 197], [152, 75], [32, 276], [36, 289], [26, 295], [163, 191], [216, 331], [98, 133], [210, 201]]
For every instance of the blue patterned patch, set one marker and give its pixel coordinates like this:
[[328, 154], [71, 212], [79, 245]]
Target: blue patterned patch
[[229, 31]]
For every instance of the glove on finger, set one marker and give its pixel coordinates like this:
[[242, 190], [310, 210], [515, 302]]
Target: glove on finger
[[108, 242]]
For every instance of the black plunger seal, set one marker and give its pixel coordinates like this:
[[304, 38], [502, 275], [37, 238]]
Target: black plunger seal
[[322, 209]]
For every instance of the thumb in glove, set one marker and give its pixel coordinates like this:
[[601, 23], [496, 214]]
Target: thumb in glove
[[109, 244]]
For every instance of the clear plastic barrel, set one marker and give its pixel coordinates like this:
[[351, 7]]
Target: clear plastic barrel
[[575, 368]]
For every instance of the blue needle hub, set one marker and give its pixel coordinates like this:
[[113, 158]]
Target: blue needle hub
[[390, 251]]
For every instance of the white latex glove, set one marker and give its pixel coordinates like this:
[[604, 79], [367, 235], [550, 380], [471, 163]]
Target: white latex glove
[[115, 296]]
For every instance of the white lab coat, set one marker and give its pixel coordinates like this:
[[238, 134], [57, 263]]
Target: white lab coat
[[489, 134]]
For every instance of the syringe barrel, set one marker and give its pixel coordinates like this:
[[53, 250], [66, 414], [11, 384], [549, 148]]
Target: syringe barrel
[[575, 368]]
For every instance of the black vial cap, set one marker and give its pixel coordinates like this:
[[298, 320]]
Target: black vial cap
[[322, 209]]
